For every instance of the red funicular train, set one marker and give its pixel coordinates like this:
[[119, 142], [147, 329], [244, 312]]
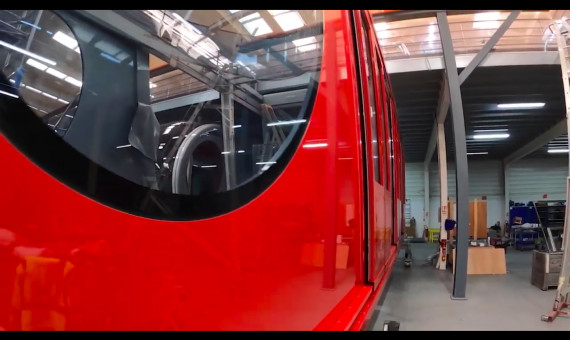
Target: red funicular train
[[195, 170]]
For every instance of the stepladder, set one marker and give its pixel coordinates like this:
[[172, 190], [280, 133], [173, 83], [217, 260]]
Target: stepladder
[[561, 304]]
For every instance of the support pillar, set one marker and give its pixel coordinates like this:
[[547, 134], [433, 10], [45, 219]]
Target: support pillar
[[462, 189], [442, 161], [426, 197], [228, 134]]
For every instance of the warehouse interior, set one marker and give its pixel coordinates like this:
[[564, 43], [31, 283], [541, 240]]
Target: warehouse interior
[[510, 92]]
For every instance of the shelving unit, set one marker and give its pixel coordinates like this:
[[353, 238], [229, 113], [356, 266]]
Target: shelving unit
[[551, 216]]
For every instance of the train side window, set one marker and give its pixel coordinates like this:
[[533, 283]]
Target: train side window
[[389, 151], [371, 99], [42, 61], [380, 98], [203, 120]]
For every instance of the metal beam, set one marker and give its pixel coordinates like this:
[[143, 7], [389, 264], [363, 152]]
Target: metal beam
[[190, 99], [562, 50], [442, 109], [488, 46], [125, 28], [493, 59], [538, 142], [461, 172], [229, 137], [442, 161], [506, 183], [431, 144], [426, 195]]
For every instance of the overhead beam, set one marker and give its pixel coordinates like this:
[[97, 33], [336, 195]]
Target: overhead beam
[[189, 99], [461, 172], [488, 46], [538, 142], [493, 59], [164, 50]]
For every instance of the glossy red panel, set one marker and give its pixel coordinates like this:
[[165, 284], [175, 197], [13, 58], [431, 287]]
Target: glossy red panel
[[77, 264]]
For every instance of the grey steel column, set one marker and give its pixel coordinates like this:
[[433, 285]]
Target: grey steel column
[[228, 133], [462, 189], [443, 213]]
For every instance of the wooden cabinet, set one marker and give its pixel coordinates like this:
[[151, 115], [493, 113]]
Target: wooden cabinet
[[477, 218]]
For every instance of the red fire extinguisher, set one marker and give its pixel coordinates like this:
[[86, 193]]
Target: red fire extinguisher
[[443, 245]]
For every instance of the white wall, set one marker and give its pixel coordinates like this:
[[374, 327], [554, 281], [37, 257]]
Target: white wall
[[415, 193], [528, 180]]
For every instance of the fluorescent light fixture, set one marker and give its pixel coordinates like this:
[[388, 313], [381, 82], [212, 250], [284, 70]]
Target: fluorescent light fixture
[[477, 153], [49, 95], [305, 44], [485, 16], [486, 20], [152, 85], [492, 136], [232, 11], [486, 25], [49, 32], [65, 40], [237, 126], [30, 24], [381, 30], [287, 122], [265, 163], [275, 12], [36, 64], [110, 57], [175, 137], [241, 151], [123, 146], [225, 152], [29, 54], [491, 131], [557, 150], [12, 81], [55, 73], [289, 20], [63, 101], [315, 145], [520, 105], [8, 94], [249, 17], [209, 166], [33, 89], [73, 81]]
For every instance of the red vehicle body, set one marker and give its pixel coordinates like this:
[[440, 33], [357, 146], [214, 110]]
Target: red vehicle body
[[312, 251]]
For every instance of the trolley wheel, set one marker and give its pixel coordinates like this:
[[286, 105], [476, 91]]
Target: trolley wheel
[[545, 318]]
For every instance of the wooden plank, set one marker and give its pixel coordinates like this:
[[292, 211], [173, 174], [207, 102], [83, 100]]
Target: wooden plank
[[484, 261]]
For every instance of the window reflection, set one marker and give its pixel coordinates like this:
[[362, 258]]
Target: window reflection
[[42, 61]]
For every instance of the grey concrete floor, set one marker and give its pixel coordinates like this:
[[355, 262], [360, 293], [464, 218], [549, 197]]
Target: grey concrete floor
[[419, 298]]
